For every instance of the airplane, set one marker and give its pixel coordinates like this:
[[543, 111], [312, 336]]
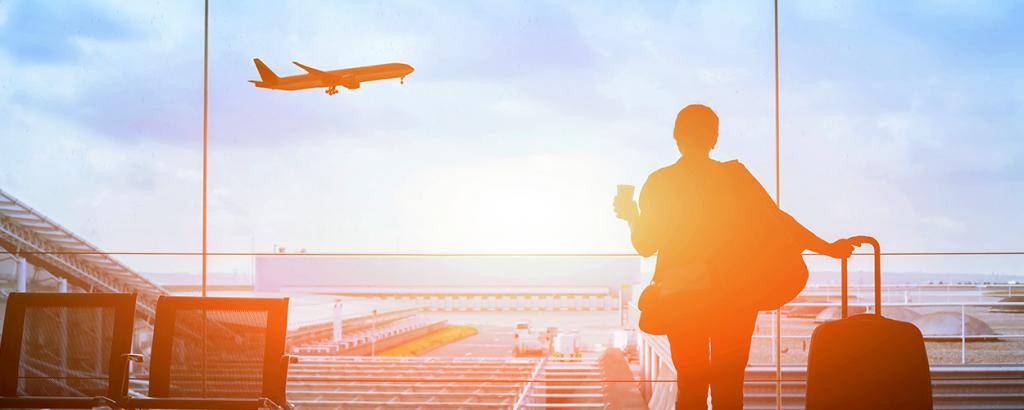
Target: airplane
[[347, 77]]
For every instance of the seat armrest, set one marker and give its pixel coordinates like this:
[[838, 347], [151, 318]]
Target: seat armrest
[[127, 359], [134, 357], [266, 403], [286, 360]]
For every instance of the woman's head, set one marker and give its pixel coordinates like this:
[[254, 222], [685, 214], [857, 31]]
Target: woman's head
[[696, 130]]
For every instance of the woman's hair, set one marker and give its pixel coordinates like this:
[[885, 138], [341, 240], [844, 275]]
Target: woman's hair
[[697, 127]]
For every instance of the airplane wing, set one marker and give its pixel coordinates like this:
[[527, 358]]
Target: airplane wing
[[328, 77], [312, 70]]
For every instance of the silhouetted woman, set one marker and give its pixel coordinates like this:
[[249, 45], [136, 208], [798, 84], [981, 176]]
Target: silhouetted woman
[[695, 214]]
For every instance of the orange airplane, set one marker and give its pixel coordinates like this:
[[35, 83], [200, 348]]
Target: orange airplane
[[347, 77]]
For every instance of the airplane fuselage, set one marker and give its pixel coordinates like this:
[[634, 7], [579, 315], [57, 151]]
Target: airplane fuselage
[[347, 77]]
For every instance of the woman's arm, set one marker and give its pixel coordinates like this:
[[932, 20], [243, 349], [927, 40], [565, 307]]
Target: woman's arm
[[642, 236], [809, 240], [838, 249]]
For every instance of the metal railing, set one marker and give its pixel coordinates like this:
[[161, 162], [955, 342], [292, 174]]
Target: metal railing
[[962, 336], [658, 373]]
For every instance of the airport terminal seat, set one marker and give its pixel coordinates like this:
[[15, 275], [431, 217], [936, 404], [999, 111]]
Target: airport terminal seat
[[65, 350], [217, 353]]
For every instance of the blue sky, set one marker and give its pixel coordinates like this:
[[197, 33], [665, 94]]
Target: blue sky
[[902, 120]]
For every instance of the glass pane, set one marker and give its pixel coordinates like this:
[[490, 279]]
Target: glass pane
[[444, 233]]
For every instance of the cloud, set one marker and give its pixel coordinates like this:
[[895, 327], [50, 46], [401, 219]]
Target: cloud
[[51, 32], [118, 196]]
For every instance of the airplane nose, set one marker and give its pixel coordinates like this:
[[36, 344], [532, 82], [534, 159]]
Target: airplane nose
[[408, 68]]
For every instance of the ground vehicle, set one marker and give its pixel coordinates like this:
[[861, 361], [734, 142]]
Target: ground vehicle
[[549, 337], [527, 341], [551, 332], [567, 344]]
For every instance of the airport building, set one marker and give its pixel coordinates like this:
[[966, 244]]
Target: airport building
[[471, 283]]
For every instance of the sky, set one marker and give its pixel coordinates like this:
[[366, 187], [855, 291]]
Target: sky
[[902, 120]]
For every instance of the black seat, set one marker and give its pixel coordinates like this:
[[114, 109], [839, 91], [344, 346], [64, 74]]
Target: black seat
[[65, 350], [217, 353]]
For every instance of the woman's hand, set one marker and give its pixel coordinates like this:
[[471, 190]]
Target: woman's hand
[[839, 249], [626, 210]]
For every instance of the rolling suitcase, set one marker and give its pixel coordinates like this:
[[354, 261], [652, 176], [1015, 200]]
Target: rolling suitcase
[[867, 361]]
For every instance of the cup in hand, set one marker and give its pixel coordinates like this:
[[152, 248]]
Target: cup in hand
[[625, 208], [625, 193]]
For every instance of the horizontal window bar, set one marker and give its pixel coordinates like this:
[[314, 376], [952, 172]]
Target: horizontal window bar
[[450, 254]]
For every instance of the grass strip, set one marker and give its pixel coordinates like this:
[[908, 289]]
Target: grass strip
[[430, 341]]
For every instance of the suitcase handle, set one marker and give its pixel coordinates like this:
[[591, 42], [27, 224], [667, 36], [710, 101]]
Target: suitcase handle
[[858, 241]]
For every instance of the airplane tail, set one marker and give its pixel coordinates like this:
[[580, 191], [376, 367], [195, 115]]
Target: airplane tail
[[266, 75]]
